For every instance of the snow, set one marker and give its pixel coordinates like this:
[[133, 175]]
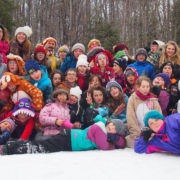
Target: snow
[[91, 165]]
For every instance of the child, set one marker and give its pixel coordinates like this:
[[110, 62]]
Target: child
[[37, 75], [83, 72], [94, 80], [102, 68], [160, 85], [142, 66], [130, 79], [102, 135], [7, 126], [117, 74], [94, 43], [167, 134], [139, 103], [71, 59], [74, 106], [55, 116]]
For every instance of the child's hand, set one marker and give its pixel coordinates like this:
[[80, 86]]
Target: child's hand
[[59, 122], [76, 125], [89, 98], [111, 79], [119, 109], [91, 63], [173, 111], [112, 138], [91, 84]]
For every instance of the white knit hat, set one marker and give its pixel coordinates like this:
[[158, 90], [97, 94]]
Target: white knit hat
[[82, 60], [77, 92], [26, 30]]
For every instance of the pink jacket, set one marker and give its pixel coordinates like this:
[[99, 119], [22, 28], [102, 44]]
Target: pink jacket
[[4, 49], [50, 113]]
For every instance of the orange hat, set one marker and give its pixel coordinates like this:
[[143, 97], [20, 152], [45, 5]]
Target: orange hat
[[44, 42]]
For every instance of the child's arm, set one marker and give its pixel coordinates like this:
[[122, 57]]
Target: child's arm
[[4, 137], [140, 146], [28, 129], [103, 111], [69, 125], [152, 73], [100, 118]]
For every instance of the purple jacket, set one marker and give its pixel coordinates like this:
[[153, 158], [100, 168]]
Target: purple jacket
[[118, 78], [163, 100], [50, 113], [166, 139]]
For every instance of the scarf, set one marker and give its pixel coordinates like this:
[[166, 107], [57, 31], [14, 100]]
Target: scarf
[[143, 97]]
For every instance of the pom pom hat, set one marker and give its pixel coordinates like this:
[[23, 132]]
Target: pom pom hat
[[26, 30], [82, 60]]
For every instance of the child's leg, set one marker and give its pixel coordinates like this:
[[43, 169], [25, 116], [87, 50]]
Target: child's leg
[[60, 142]]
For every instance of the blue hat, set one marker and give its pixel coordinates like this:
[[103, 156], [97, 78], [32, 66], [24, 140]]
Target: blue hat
[[121, 62], [166, 78], [111, 84], [31, 66], [153, 115]]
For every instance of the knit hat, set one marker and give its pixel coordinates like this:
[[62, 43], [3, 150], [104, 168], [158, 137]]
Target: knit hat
[[12, 122], [141, 51], [119, 47], [79, 46], [31, 66], [120, 127], [26, 30], [153, 115], [94, 40], [60, 89], [167, 63], [129, 71], [77, 92], [166, 78], [111, 84], [40, 49], [44, 42], [119, 54], [121, 62], [63, 48], [100, 55], [82, 60]]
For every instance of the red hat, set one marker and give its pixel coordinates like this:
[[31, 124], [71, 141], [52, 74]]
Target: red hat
[[40, 49], [119, 47]]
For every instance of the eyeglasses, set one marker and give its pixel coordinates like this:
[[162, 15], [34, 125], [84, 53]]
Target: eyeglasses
[[40, 53], [12, 63], [62, 95], [73, 75]]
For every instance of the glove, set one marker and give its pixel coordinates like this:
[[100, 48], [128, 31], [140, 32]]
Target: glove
[[112, 138], [146, 133], [156, 90]]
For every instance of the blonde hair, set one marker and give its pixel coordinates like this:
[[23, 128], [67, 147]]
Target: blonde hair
[[143, 78], [174, 59]]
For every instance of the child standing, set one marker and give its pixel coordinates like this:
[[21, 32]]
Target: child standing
[[83, 72], [143, 67], [167, 134], [140, 102], [102, 135], [131, 77]]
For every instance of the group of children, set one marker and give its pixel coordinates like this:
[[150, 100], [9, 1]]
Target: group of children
[[88, 102]]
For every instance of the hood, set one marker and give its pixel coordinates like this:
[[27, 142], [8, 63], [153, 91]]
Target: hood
[[161, 45], [96, 58], [19, 62]]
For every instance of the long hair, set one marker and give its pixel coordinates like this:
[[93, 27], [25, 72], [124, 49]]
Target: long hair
[[174, 59], [92, 77], [115, 103], [5, 35], [43, 62], [26, 45]]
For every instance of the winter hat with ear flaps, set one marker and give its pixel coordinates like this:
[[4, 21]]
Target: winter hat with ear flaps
[[120, 127]]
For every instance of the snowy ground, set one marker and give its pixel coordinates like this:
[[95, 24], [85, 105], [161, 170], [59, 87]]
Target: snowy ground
[[91, 165]]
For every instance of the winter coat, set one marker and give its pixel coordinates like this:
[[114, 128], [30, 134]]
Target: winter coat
[[69, 62], [44, 84], [4, 49], [144, 68], [50, 113], [81, 82], [136, 111], [93, 137], [83, 101], [166, 139], [53, 60], [73, 113], [15, 48], [118, 78]]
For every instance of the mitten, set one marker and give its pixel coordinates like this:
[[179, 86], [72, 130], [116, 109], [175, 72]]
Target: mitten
[[146, 133], [112, 138], [156, 90]]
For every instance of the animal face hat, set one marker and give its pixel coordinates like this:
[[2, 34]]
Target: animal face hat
[[23, 106], [19, 62]]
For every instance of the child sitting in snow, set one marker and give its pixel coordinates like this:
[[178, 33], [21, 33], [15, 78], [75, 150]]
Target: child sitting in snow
[[131, 77], [102, 135], [55, 116], [166, 137]]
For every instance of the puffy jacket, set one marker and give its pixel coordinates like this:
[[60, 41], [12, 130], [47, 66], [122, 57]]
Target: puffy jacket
[[4, 49]]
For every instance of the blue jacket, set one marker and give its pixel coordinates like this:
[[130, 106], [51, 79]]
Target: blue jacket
[[68, 62], [44, 84], [166, 139], [144, 68], [4, 137]]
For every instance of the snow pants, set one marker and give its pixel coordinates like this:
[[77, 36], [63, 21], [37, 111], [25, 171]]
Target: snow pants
[[60, 142]]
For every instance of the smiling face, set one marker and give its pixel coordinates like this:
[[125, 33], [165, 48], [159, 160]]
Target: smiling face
[[141, 57], [77, 53], [73, 99], [82, 69], [11, 87], [130, 79], [13, 67], [62, 54], [56, 79], [21, 37], [155, 124], [36, 75], [111, 128], [22, 117], [50, 46], [167, 70], [114, 92], [40, 56], [71, 76], [144, 88], [170, 50], [98, 96], [5, 125], [159, 81], [62, 97]]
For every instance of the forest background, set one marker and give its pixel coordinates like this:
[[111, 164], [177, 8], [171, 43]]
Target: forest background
[[133, 22]]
